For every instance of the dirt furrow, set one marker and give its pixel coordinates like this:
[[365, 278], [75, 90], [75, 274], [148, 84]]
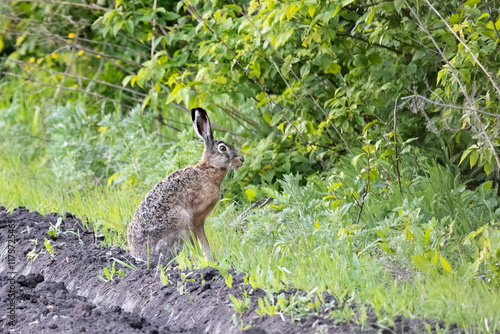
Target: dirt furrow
[[61, 292]]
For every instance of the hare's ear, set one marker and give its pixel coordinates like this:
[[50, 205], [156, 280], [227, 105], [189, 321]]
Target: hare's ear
[[201, 124]]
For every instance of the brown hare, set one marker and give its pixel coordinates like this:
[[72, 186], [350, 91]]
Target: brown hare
[[178, 205]]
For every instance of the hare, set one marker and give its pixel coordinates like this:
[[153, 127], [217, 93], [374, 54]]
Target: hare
[[179, 204]]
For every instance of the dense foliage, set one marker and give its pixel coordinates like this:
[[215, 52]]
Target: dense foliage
[[374, 126]]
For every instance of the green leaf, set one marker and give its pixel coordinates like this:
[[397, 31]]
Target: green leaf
[[304, 70], [111, 178], [427, 235], [488, 168], [20, 39], [449, 39], [126, 80], [170, 16], [487, 154], [276, 119], [375, 58], [316, 37], [483, 16], [370, 17], [106, 272], [145, 103], [221, 80], [440, 74], [250, 194], [356, 158], [466, 153], [311, 10], [398, 4], [446, 266], [354, 262], [465, 74], [472, 2], [334, 68], [473, 158], [334, 186], [291, 10], [337, 10], [385, 247], [454, 19], [421, 263]]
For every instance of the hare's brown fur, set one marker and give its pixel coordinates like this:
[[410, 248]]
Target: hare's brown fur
[[179, 204]]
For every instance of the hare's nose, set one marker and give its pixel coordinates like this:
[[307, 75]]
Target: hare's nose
[[242, 159]]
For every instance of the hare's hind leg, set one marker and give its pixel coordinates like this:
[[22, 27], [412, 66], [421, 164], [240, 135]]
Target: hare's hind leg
[[174, 235], [203, 241]]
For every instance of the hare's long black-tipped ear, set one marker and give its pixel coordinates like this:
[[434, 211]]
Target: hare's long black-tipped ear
[[201, 124]]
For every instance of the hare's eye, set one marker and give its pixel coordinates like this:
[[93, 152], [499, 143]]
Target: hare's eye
[[222, 148]]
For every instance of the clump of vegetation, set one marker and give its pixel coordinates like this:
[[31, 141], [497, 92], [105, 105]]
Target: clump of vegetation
[[371, 126], [108, 275]]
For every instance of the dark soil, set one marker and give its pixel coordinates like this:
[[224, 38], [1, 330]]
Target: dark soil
[[62, 293]]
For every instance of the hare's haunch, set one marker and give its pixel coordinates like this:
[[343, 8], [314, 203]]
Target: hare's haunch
[[178, 205]]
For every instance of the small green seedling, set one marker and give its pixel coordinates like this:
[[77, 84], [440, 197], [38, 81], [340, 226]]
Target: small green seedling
[[240, 305], [32, 254], [164, 278], [49, 248], [108, 275], [266, 308], [125, 264], [229, 281], [77, 233], [182, 284], [55, 230]]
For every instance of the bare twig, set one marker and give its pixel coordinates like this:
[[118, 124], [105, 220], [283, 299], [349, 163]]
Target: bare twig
[[78, 77], [154, 28], [63, 80], [450, 105], [97, 73], [371, 43], [90, 6], [160, 120], [367, 188], [396, 145], [257, 204], [159, 116], [230, 114], [488, 74], [68, 88], [235, 114], [215, 125]]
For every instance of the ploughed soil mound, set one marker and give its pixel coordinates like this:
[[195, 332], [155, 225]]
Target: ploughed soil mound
[[61, 292]]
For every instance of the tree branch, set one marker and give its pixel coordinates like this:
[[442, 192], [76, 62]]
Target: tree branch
[[462, 88], [449, 105], [68, 88], [77, 77], [371, 43], [469, 50], [90, 6]]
